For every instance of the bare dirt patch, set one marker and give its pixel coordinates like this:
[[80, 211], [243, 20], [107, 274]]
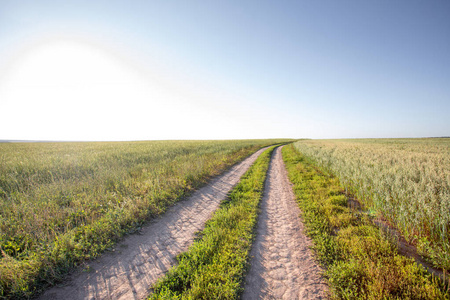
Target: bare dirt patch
[[138, 261], [282, 266]]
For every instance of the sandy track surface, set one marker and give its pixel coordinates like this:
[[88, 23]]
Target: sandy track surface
[[281, 265], [141, 259]]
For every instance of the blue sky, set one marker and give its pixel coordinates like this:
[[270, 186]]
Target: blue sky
[[139, 70]]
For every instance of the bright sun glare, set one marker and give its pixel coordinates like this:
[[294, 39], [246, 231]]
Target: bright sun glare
[[80, 92]]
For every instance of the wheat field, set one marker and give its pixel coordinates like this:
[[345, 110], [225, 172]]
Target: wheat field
[[405, 181]]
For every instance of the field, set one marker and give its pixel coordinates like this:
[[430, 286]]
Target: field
[[360, 259], [404, 181], [63, 203]]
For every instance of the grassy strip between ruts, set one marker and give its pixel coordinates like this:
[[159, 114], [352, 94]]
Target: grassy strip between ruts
[[361, 261], [214, 266]]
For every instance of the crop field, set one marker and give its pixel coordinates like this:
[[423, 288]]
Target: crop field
[[239, 235], [404, 181], [63, 203], [361, 261]]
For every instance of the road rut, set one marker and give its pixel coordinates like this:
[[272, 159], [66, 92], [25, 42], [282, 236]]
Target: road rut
[[141, 259], [282, 266]]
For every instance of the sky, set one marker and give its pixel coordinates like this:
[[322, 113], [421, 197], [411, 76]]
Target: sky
[[152, 70]]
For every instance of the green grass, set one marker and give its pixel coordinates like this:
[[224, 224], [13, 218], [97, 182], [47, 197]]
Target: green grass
[[214, 266], [63, 203], [405, 181], [361, 261]]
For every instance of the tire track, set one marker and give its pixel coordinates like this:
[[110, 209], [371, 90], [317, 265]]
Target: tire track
[[281, 263], [141, 259]]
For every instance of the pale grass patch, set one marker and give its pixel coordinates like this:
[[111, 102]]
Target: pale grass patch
[[407, 181]]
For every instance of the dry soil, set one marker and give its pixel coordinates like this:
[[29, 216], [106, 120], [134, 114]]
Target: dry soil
[[282, 266]]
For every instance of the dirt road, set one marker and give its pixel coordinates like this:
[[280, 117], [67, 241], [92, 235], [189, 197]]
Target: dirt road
[[281, 266], [141, 259]]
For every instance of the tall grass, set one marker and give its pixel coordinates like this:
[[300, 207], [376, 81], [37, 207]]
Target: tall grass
[[62, 203], [406, 181], [361, 260]]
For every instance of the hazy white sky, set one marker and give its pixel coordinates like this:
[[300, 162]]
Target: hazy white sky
[[138, 70], [69, 89]]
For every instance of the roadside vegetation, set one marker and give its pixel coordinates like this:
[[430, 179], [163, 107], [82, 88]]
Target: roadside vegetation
[[405, 182], [214, 266], [64, 203], [361, 260]]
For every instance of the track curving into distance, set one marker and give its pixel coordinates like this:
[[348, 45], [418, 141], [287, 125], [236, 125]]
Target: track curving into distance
[[281, 263], [141, 259]]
